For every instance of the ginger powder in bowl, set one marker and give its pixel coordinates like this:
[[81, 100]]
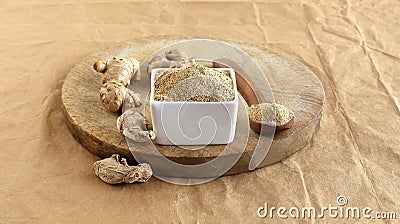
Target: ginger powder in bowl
[[194, 106]]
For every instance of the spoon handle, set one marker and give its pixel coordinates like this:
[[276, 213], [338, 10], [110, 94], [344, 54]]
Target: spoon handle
[[250, 92]]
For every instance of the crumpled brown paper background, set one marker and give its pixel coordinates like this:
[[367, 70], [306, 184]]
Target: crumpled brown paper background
[[352, 46]]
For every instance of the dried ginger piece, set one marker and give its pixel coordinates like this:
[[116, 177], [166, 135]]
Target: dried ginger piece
[[117, 73], [173, 58], [132, 125], [115, 170]]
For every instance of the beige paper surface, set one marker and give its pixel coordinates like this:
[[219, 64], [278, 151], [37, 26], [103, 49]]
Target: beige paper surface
[[352, 46]]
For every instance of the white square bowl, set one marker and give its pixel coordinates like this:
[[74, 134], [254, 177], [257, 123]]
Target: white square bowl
[[193, 123]]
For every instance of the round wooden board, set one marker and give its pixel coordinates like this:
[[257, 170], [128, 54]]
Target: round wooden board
[[292, 83]]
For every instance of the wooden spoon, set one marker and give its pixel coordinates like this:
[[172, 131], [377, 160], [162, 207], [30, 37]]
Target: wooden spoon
[[251, 94]]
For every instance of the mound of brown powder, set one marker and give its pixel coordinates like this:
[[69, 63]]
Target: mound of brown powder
[[270, 113], [195, 83]]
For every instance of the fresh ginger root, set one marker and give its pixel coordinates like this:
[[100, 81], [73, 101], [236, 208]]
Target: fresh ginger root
[[173, 58], [117, 73], [132, 125]]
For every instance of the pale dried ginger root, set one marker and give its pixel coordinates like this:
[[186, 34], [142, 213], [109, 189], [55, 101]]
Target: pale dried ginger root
[[117, 73], [173, 58], [115, 170], [133, 126]]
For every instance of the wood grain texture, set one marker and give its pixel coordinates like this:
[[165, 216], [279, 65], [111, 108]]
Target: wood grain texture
[[293, 85]]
